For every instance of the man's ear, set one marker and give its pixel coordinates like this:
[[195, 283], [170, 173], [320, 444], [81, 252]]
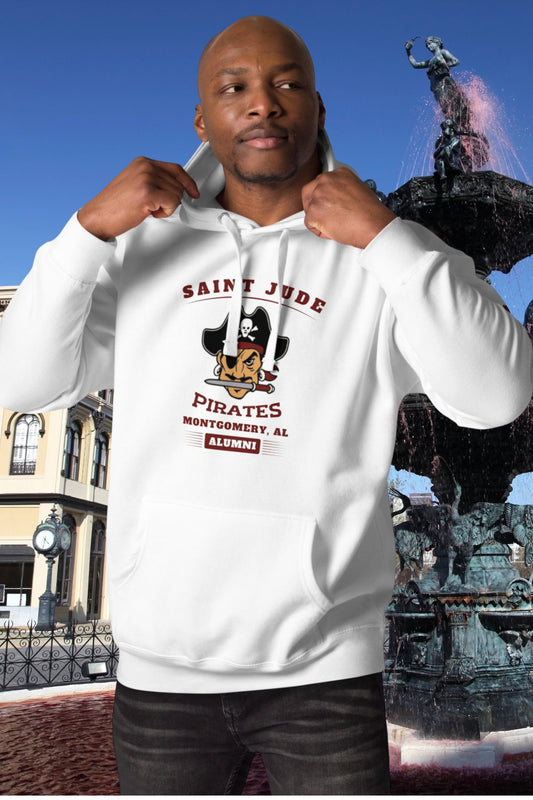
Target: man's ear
[[199, 125], [321, 113]]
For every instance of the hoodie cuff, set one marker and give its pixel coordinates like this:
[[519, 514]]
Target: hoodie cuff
[[398, 251], [78, 253]]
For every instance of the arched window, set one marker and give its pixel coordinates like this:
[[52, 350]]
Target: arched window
[[101, 453], [96, 570], [65, 565], [71, 458], [25, 441]]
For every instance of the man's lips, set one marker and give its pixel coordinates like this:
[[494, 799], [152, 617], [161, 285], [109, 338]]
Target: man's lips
[[264, 138]]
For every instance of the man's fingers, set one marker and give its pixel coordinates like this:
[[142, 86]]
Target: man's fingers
[[164, 201], [307, 192], [179, 174], [144, 187], [339, 206], [307, 198], [165, 182], [311, 197], [315, 229], [167, 188], [188, 183], [164, 211]]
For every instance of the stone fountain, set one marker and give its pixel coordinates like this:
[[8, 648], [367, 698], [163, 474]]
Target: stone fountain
[[459, 658]]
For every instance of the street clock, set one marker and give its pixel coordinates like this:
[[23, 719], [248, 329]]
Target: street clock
[[51, 536]]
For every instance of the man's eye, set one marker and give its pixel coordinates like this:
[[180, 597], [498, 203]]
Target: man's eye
[[249, 361], [232, 89], [288, 85]]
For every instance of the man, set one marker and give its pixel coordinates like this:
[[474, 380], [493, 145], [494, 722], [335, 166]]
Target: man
[[250, 548]]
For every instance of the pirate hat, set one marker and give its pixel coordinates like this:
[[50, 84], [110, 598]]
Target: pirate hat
[[254, 334]]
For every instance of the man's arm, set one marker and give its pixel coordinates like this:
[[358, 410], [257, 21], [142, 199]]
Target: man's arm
[[473, 359], [57, 335]]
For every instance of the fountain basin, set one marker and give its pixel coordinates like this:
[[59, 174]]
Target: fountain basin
[[500, 621], [500, 206]]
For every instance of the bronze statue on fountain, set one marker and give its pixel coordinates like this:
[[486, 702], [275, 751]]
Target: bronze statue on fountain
[[459, 655], [453, 102], [467, 201]]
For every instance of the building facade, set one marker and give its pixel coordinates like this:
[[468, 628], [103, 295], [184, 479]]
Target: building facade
[[62, 459]]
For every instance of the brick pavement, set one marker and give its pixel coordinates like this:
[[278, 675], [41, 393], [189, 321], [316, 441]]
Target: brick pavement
[[63, 746]]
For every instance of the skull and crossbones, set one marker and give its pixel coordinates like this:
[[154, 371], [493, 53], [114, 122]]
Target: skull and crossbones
[[246, 329]]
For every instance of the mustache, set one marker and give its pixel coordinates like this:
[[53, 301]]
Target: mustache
[[262, 132]]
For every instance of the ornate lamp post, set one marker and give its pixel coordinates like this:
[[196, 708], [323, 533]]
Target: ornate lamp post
[[50, 537]]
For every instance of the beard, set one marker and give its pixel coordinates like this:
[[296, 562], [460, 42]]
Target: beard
[[264, 177]]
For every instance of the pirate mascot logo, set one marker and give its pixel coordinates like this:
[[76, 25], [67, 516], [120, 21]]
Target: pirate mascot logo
[[244, 372]]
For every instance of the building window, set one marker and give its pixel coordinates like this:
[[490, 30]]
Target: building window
[[25, 441], [107, 395], [71, 459], [65, 565], [101, 452], [96, 570], [16, 574]]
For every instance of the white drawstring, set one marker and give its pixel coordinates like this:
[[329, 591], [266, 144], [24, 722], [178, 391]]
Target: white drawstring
[[232, 332], [230, 347], [283, 246]]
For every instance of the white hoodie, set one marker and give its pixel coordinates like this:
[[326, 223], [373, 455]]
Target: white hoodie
[[249, 535]]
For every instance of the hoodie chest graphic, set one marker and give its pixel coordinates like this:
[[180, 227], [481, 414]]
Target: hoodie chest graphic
[[231, 412]]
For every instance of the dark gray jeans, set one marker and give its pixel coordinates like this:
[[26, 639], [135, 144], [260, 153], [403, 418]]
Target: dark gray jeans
[[325, 738]]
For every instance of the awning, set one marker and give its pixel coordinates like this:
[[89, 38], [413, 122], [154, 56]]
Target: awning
[[13, 553]]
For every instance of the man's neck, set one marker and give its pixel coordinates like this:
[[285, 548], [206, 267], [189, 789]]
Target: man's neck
[[267, 203]]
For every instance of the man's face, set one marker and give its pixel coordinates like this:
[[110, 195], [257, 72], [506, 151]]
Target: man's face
[[259, 111], [244, 368]]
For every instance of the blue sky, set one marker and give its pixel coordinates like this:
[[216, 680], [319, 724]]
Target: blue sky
[[88, 86]]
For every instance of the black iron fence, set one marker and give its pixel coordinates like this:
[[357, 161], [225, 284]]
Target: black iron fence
[[81, 653]]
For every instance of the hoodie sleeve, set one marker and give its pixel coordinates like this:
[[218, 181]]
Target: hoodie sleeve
[[57, 334], [472, 357]]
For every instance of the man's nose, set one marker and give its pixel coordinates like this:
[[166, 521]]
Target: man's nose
[[264, 103]]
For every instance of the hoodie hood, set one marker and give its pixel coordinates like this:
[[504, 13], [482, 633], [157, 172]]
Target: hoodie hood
[[206, 213], [208, 173]]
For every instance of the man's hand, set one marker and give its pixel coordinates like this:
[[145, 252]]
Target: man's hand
[[145, 187], [339, 206]]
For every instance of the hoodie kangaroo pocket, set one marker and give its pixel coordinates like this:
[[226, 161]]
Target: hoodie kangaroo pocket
[[221, 589]]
